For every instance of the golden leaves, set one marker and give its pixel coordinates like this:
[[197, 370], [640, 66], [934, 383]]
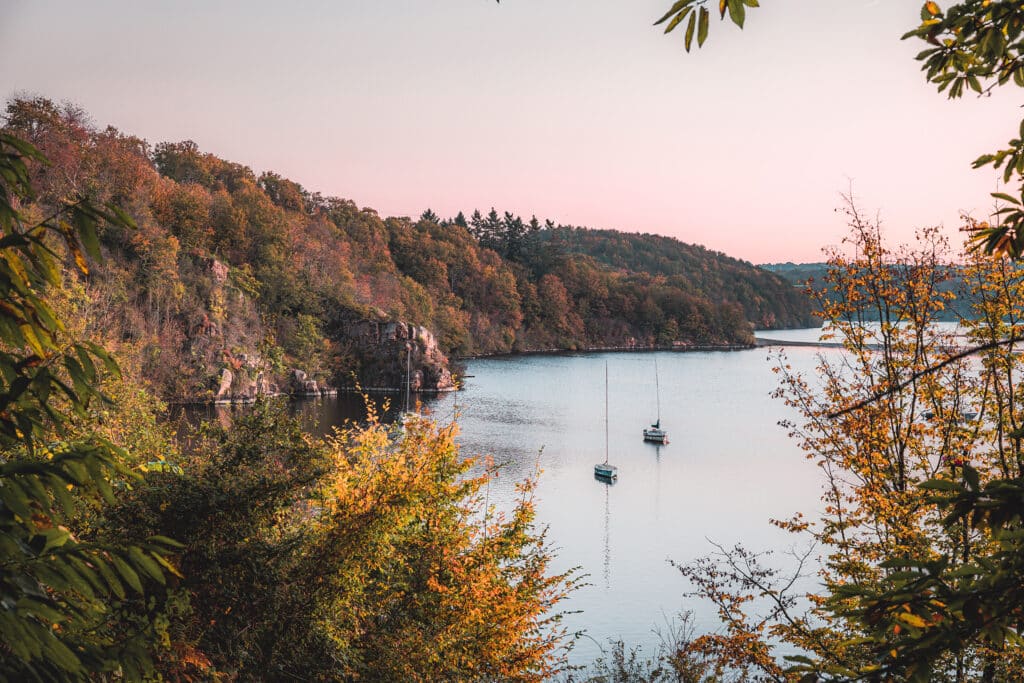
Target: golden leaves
[[480, 580], [911, 619]]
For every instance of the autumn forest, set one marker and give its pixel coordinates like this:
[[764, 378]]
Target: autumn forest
[[255, 274], [139, 275]]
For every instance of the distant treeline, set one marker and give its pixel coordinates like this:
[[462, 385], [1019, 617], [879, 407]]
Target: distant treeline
[[227, 266], [952, 280]]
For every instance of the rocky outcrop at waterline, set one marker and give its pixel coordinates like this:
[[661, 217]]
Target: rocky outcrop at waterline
[[391, 353], [371, 352], [245, 385]]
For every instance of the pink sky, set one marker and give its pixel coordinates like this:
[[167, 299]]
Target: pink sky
[[571, 110]]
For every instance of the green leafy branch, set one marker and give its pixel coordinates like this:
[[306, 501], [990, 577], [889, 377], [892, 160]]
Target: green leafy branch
[[698, 17], [57, 593], [924, 608], [978, 45]]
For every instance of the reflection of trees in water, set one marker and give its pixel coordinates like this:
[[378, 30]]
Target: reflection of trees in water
[[318, 416]]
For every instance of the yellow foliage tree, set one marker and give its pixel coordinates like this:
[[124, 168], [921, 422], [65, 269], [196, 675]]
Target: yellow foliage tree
[[897, 413]]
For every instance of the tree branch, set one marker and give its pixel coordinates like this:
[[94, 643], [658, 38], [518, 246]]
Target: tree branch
[[927, 371]]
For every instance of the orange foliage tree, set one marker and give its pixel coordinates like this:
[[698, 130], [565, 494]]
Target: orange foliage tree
[[368, 556], [897, 413]]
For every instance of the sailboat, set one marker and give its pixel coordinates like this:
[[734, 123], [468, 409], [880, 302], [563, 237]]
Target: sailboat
[[408, 414], [654, 433], [604, 470]]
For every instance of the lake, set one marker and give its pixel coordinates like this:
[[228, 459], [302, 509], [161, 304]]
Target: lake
[[728, 469]]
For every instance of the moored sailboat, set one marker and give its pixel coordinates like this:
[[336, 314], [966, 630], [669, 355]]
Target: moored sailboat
[[654, 433], [408, 414], [605, 470]]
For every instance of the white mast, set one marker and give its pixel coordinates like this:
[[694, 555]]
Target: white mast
[[657, 390], [408, 374], [606, 412]]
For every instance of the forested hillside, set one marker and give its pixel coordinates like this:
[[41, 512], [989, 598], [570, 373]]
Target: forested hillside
[[236, 284], [766, 300]]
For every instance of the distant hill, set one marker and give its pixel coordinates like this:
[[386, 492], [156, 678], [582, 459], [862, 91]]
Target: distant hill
[[797, 273], [813, 274], [768, 300]]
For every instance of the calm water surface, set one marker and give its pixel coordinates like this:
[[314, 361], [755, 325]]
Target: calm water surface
[[728, 470]]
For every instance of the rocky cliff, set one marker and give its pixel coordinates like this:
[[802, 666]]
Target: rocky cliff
[[387, 350], [381, 354]]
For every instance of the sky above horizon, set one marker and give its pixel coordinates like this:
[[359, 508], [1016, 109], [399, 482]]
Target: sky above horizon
[[581, 112]]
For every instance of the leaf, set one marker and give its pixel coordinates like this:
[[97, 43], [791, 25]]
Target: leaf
[[98, 476], [702, 26], [40, 609], [62, 656], [120, 217], [87, 365], [85, 223], [169, 566], [146, 563], [689, 31], [80, 261], [972, 478], [14, 498], [110, 578], [904, 577], [676, 7], [1005, 197], [911, 619], [737, 12], [939, 485], [78, 378], [28, 332], [127, 573], [678, 18], [165, 541]]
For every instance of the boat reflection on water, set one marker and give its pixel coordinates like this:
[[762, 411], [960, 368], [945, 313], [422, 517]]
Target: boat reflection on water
[[606, 570]]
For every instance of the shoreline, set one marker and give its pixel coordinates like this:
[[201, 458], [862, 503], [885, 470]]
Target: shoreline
[[612, 349], [688, 348]]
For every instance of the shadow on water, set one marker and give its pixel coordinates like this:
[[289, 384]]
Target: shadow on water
[[318, 416]]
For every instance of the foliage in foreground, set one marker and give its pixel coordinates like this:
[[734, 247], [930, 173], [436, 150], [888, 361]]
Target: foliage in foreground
[[919, 537], [364, 557], [59, 593], [675, 661]]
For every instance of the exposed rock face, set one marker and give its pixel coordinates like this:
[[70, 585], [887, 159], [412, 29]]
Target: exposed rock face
[[388, 348], [222, 338], [249, 382], [240, 381], [219, 271], [301, 385], [224, 391]]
